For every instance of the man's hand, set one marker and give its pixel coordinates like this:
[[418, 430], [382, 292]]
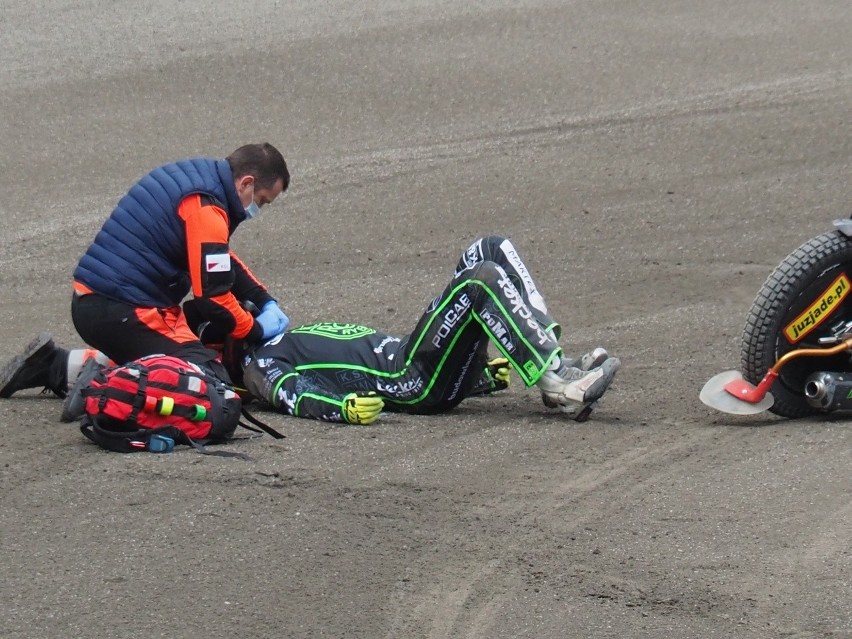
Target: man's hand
[[272, 320], [361, 408]]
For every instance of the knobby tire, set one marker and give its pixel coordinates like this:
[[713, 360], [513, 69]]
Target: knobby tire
[[788, 289]]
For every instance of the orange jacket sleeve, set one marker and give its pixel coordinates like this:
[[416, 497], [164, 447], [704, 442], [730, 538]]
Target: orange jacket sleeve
[[212, 269]]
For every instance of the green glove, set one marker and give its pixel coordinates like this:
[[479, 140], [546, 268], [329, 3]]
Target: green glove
[[362, 408], [500, 371], [495, 377]]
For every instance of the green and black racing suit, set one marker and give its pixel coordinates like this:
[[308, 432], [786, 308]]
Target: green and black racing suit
[[491, 299]]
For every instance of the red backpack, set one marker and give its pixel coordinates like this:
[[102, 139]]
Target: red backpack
[[157, 401]]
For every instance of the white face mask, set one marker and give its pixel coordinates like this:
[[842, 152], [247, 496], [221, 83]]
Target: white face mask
[[252, 210]]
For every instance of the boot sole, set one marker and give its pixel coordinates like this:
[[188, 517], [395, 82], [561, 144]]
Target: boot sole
[[11, 368], [610, 368]]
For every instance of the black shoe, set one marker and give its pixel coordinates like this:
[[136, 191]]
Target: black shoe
[[74, 406], [41, 363]]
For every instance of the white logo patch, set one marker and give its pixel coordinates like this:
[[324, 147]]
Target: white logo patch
[[217, 263]]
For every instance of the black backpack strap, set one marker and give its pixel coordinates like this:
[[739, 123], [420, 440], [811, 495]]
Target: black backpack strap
[[125, 441], [260, 425], [137, 441], [201, 448], [110, 441], [136, 400]]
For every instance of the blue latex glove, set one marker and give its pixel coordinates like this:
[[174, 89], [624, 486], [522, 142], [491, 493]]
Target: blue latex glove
[[272, 320]]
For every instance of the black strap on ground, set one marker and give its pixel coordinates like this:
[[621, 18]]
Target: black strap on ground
[[263, 427], [201, 448]]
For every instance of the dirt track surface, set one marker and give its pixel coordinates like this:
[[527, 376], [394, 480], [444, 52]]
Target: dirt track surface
[[653, 161]]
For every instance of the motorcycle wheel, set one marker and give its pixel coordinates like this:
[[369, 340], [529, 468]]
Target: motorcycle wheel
[[793, 310]]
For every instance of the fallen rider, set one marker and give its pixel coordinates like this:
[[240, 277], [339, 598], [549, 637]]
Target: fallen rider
[[350, 373]]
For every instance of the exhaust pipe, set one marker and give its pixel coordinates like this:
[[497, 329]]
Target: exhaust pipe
[[829, 391]]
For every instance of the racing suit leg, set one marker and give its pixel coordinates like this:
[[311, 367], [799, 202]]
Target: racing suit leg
[[279, 386], [449, 344], [501, 251]]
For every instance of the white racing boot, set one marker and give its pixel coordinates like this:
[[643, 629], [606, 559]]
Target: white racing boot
[[587, 362], [590, 360], [575, 389]]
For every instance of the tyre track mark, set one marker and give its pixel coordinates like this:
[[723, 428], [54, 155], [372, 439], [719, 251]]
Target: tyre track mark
[[465, 605]]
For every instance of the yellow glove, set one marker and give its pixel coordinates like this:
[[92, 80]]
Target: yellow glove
[[500, 371], [495, 377], [360, 408]]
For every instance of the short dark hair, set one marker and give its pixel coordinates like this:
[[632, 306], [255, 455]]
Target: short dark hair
[[263, 161]]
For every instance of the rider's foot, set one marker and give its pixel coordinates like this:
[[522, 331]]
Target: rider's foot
[[590, 360], [571, 386], [41, 363], [587, 362]]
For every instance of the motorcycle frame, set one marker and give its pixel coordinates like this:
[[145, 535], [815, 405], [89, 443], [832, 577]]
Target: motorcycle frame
[[744, 391]]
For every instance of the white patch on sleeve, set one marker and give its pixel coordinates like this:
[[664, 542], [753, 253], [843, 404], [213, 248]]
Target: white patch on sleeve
[[217, 263]]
